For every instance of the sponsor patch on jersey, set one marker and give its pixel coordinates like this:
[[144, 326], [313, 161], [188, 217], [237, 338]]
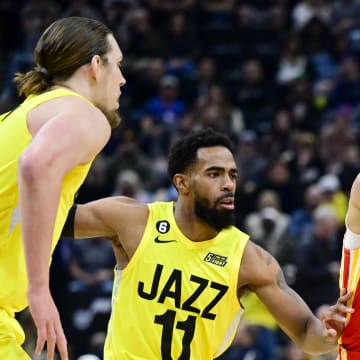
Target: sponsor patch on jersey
[[216, 259], [163, 226]]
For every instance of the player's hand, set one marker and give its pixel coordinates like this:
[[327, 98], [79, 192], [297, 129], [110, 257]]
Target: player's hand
[[47, 321], [334, 318]]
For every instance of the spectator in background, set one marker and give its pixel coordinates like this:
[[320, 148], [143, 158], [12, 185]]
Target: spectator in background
[[278, 177], [91, 266], [292, 61], [142, 41], [345, 15], [115, 13], [231, 118], [298, 99], [350, 166], [35, 17], [165, 8], [148, 80], [305, 162], [250, 159], [302, 219], [96, 184], [333, 196], [318, 260], [268, 227], [128, 183], [82, 8], [166, 108], [316, 37], [253, 95], [335, 135], [181, 47], [196, 88], [128, 156], [280, 136], [306, 10], [346, 88]]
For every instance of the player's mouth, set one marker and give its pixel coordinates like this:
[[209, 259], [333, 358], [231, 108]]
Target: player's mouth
[[227, 203]]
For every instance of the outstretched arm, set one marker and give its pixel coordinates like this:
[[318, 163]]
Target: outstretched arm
[[290, 311]]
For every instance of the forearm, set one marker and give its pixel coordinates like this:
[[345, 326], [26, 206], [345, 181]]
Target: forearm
[[39, 197], [304, 328]]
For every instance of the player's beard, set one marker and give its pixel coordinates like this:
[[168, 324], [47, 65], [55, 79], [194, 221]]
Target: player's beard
[[217, 218], [113, 117]]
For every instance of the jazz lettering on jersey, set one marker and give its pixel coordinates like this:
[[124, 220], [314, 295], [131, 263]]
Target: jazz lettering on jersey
[[172, 289]]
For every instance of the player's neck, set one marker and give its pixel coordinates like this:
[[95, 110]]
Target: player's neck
[[191, 226]]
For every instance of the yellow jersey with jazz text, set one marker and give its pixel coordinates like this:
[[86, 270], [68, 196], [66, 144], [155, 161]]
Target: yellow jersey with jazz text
[[176, 298], [14, 138]]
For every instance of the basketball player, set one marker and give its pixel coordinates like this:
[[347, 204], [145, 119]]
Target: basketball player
[[48, 144], [182, 267], [349, 343]]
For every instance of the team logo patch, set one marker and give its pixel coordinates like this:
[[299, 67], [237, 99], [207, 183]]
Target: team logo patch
[[216, 259]]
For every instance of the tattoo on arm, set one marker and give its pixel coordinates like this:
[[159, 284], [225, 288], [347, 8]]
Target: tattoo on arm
[[269, 259], [282, 284], [280, 280], [306, 324]]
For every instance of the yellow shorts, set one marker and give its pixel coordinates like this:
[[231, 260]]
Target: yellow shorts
[[11, 338]]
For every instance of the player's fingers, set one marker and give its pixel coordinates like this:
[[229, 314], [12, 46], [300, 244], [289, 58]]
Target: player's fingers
[[343, 309], [61, 343], [41, 337], [330, 334], [51, 341], [334, 320], [345, 295]]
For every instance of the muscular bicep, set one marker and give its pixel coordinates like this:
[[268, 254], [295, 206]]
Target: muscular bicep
[[267, 280], [120, 217], [89, 222]]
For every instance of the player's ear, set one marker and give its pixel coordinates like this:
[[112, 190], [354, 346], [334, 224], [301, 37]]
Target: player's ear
[[181, 183], [94, 66]]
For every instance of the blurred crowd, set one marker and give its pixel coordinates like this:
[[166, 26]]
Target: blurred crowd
[[281, 77]]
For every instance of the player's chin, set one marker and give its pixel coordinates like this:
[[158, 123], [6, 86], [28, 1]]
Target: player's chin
[[116, 106]]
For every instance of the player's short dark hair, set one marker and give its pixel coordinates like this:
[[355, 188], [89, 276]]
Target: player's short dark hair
[[183, 153]]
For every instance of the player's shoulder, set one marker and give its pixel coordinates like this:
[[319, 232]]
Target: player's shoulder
[[126, 207], [80, 104]]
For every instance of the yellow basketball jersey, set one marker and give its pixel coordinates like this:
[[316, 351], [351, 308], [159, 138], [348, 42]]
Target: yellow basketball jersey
[[14, 137], [176, 299]]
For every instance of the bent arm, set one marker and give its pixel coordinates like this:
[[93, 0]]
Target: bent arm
[[287, 307], [120, 218], [63, 142]]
